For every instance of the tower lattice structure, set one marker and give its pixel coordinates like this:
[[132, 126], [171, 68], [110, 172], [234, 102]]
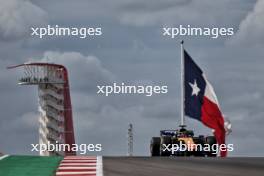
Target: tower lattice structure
[[55, 120]]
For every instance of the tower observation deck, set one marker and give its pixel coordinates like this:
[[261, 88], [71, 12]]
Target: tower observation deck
[[56, 123]]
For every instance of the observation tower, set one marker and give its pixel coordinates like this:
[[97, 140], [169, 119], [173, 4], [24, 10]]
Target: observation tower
[[56, 123]]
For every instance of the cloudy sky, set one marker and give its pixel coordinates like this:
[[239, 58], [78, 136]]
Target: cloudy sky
[[133, 50]]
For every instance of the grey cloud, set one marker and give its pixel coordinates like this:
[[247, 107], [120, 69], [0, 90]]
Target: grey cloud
[[17, 17], [28, 120], [18, 133], [150, 13], [150, 5], [178, 12], [85, 72], [251, 28], [166, 109]]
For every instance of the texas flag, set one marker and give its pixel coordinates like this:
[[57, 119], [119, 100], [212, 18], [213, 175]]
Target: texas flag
[[200, 100]]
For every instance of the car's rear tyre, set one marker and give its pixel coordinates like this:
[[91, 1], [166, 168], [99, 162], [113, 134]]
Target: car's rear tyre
[[211, 141], [155, 146], [200, 143], [165, 141]]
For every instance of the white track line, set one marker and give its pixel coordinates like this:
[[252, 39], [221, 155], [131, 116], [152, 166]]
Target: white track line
[[76, 173], [78, 161], [76, 168], [99, 166], [81, 157], [2, 157], [78, 164]]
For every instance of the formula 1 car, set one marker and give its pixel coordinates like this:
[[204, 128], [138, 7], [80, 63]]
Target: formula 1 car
[[170, 141]]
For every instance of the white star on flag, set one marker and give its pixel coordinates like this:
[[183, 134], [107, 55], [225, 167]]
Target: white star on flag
[[195, 88]]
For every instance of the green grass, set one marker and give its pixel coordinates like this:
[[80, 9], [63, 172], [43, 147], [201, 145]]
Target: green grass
[[29, 166]]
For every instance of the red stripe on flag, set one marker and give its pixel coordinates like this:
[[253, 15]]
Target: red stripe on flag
[[212, 117]]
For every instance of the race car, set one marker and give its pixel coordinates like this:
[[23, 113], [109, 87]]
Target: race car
[[182, 142]]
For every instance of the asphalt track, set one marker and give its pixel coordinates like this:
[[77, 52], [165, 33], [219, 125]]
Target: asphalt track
[[180, 166]]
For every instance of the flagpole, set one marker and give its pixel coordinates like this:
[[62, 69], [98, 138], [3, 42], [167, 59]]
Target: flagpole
[[182, 87]]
